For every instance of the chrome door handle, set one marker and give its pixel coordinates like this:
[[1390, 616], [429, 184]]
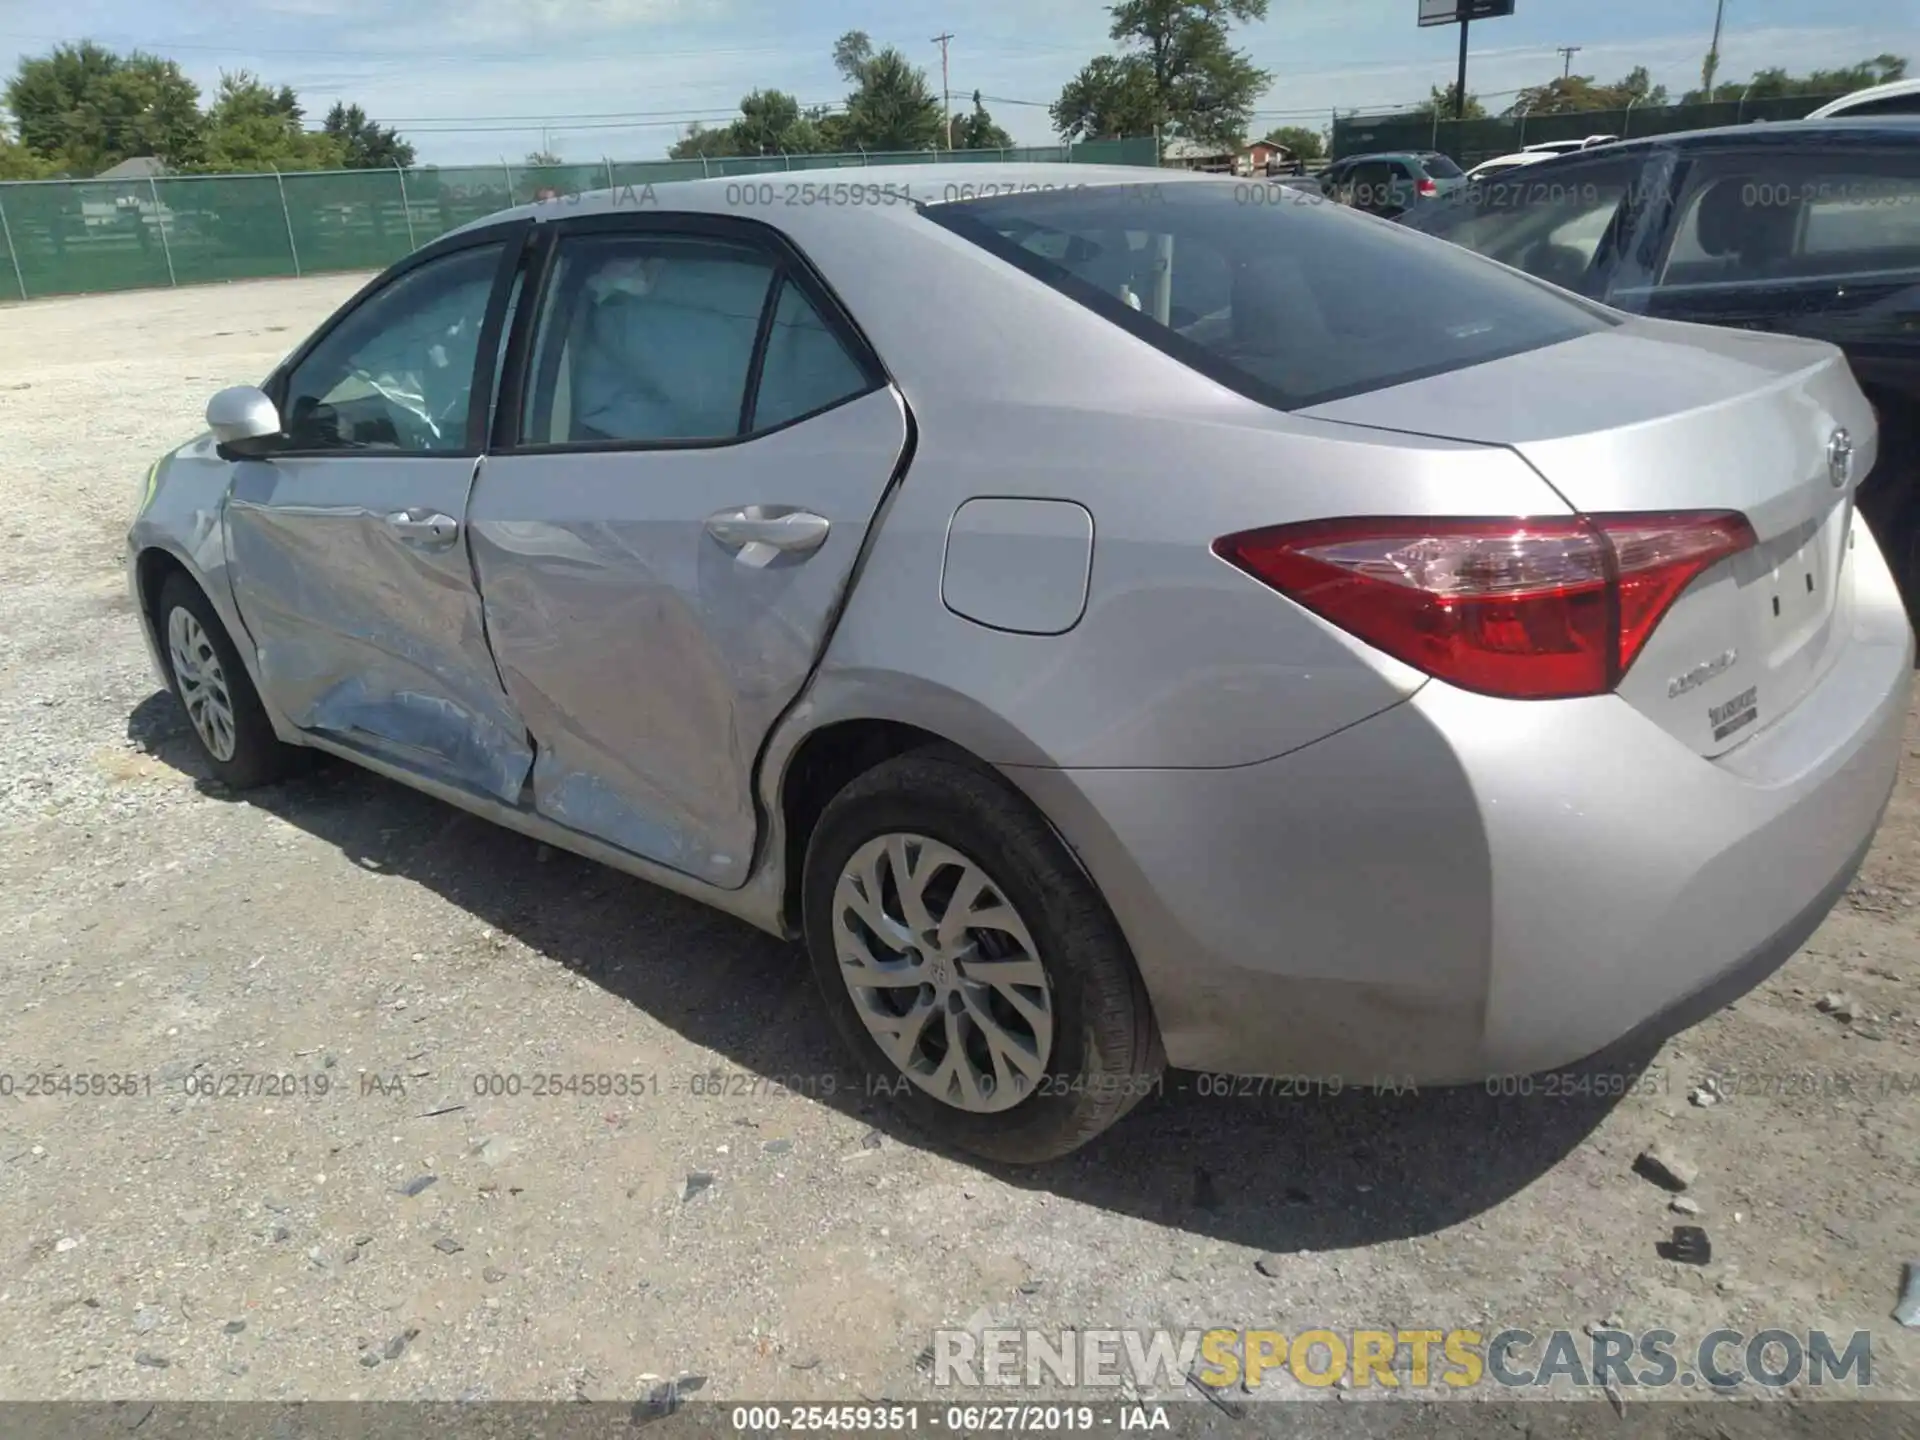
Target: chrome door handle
[[762, 532], [431, 528]]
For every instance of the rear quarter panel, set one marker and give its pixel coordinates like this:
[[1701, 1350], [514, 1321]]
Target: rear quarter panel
[[1179, 660]]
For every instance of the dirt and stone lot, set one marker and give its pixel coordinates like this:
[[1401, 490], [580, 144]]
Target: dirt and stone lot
[[410, 1232]]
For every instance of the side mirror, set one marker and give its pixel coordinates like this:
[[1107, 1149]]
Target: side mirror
[[240, 417]]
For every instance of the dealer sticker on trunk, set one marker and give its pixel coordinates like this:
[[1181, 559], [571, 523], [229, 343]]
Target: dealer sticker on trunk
[[1735, 714]]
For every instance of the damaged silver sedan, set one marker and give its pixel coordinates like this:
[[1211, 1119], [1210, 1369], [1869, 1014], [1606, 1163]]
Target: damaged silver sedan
[[1112, 623]]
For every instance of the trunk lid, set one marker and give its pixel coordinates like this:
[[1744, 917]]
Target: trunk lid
[[1655, 416]]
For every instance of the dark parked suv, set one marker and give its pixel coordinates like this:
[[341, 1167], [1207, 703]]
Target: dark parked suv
[[1806, 228], [1393, 183]]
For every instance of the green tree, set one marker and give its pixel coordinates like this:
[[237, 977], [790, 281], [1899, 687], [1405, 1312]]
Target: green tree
[[366, 144], [17, 162], [835, 135], [1110, 99], [771, 123], [891, 106], [84, 108], [253, 127], [1442, 97], [852, 53], [1573, 94], [700, 142], [544, 157], [1178, 52], [976, 130], [1775, 83], [1301, 143]]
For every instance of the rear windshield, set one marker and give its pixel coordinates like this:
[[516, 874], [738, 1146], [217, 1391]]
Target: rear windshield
[[1276, 292], [1441, 168]]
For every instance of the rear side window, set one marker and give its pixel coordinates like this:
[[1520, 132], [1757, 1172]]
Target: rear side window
[[1271, 290], [1756, 218], [1441, 168], [1546, 219], [805, 368]]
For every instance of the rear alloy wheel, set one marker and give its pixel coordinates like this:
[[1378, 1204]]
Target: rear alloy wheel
[[993, 999], [943, 972], [214, 688]]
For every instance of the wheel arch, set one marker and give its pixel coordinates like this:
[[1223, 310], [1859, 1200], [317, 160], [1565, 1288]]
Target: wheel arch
[[154, 563], [853, 720]]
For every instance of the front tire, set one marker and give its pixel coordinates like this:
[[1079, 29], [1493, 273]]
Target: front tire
[[213, 687], [970, 967]]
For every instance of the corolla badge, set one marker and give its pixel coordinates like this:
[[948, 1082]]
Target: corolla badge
[[1701, 673], [1840, 459]]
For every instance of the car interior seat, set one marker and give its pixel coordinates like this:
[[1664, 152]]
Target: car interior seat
[[1749, 237]]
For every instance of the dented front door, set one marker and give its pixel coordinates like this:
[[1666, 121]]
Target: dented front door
[[348, 543], [353, 579]]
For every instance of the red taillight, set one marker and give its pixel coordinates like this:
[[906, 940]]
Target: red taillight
[[1529, 609], [1427, 187]]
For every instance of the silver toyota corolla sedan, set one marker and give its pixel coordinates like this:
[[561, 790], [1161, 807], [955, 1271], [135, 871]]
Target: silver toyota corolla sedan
[[1113, 621]]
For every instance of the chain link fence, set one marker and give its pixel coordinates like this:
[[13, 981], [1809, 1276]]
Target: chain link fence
[[1469, 142], [64, 237]]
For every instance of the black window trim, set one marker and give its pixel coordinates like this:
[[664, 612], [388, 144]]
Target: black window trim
[[513, 237], [962, 218], [788, 265]]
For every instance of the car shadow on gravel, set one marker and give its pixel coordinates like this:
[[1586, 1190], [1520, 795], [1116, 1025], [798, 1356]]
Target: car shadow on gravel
[[1259, 1164]]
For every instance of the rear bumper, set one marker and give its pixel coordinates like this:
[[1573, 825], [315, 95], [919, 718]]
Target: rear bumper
[[1462, 887]]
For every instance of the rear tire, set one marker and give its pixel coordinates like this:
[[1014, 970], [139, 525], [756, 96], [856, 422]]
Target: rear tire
[[212, 685], [1018, 1037]]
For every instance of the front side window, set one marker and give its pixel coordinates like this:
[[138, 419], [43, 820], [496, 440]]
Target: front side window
[[1766, 217], [646, 339], [1548, 220], [1268, 289], [397, 373]]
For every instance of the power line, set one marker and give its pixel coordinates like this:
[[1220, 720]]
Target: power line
[[556, 117]]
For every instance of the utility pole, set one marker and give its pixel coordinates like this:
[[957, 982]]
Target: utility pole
[[1567, 52], [1460, 83], [1712, 67], [946, 92]]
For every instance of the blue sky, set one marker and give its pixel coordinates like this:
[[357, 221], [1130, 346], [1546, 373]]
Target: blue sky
[[472, 80]]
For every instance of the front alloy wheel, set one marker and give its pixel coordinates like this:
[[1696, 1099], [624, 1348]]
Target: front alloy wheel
[[202, 682], [212, 684]]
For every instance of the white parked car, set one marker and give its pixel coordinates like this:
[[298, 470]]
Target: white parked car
[[1502, 164], [1567, 147], [1897, 97]]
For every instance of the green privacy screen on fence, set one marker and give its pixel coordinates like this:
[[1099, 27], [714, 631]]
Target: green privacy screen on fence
[[1471, 141], [63, 237]]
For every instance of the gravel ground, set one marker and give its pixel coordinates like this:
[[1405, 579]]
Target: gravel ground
[[406, 1235]]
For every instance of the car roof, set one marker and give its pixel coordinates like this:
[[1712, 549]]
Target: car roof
[[922, 184], [1840, 130], [1868, 96], [1389, 155]]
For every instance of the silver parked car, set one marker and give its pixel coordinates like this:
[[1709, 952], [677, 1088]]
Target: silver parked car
[[1112, 622]]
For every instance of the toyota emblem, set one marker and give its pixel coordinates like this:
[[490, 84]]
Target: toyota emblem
[[1840, 459]]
